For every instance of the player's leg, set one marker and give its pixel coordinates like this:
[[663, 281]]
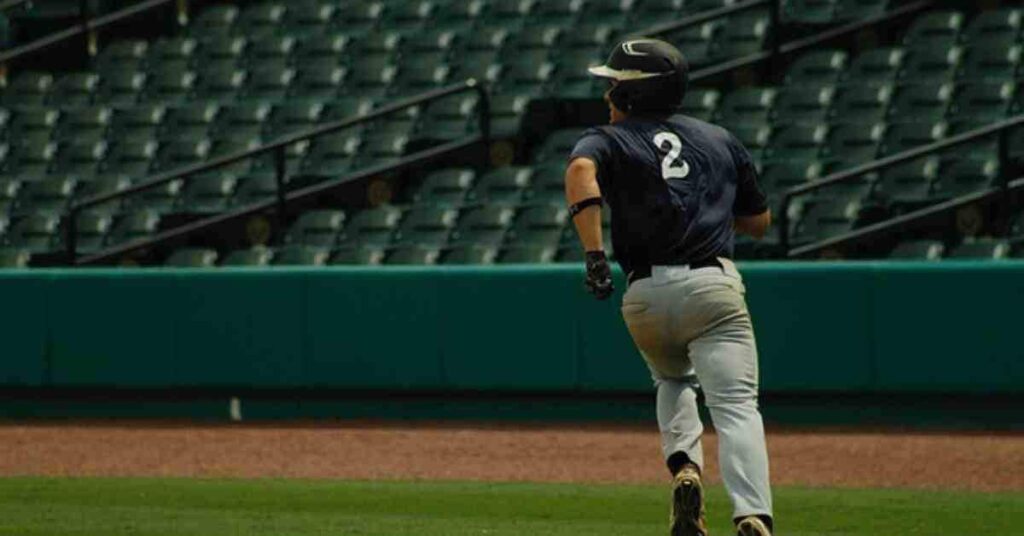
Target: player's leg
[[725, 358]]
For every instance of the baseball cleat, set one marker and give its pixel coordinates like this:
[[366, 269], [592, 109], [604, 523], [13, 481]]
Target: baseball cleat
[[688, 503], [752, 526]]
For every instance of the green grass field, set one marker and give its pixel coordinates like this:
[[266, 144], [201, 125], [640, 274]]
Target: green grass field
[[114, 507]]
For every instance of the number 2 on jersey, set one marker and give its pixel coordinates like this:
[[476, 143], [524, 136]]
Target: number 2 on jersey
[[669, 169]]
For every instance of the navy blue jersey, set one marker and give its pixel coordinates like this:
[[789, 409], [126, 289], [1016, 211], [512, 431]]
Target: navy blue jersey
[[673, 186]]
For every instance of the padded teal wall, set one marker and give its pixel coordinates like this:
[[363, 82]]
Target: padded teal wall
[[820, 327]]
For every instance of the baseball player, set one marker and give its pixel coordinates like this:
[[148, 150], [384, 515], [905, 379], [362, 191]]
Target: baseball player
[[678, 190]]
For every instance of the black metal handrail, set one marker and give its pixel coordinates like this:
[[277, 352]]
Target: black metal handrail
[[10, 4], [278, 147], [777, 51], [86, 26], [886, 226], [999, 129]]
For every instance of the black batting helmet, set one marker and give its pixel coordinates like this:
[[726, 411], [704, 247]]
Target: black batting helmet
[[651, 76]]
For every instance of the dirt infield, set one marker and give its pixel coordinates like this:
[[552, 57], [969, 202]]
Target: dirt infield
[[590, 453]]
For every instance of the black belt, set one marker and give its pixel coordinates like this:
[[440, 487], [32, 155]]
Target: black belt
[[643, 272]]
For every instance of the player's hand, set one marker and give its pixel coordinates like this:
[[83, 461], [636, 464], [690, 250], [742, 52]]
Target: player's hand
[[599, 275]]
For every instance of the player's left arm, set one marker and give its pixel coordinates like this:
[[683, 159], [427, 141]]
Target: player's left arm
[[755, 226], [750, 210]]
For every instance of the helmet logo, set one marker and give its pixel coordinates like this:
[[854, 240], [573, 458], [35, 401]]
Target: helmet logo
[[628, 47]]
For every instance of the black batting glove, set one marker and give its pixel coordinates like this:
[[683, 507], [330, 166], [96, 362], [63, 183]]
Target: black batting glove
[[599, 275]]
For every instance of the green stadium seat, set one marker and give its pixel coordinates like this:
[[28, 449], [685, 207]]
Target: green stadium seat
[[302, 256], [256, 256], [361, 16], [272, 50], [935, 30], [81, 157], [819, 68], [995, 24], [35, 123], [366, 255], [122, 55], [5, 122], [31, 157], [183, 152], [35, 233], [697, 43], [933, 66], [270, 83], [135, 157], [333, 154], [192, 258], [511, 10], [526, 76], [827, 219], [369, 78], [47, 195], [85, 123], [15, 258], [484, 226], [782, 175], [701, 103], [222, 52], [562, 12], [28, 89], [316, 228], [292, 117], [135, 225], [921, 250], [382, 148], [450, 118], [223, 86], [982, 249], [420, 255], [255, 187], [472, 255], [243, 120], [977, 105], [9, 189], [261, 18], [876, 66], [439, 43], [122, 88], [506, 185], [540, 226], [905, 136], [217, 19], [172, 54], [75, 89], [910, 183], [988, 61], [968, 175], [594, 37], [613, 13], [427, 225], [324, 49], [805, 103], [743, 35], [171, 86], [310, 18], [380, 47], [231, 143], [528, 255], [410, 16], [446, 188], [808, 11], [747, 105], [372, 227], [654, 12], [922, 102], [104, 184], [860, 9], [863, 104], [208, 193], [348, 107], [558, 145], [316, 82], [420, 78], [853, 144], [798, 143], [160, 199], [91, 231], [548, 184], [463, 12], [754, 136], [490, 38]]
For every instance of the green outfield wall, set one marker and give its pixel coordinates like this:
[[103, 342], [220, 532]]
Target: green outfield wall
[[847, 327]]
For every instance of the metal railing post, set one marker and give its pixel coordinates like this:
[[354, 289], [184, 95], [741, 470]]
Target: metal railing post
[[71, 236], [281, 169], [784, 222]]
